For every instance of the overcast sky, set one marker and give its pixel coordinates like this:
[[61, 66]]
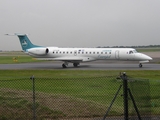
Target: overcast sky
[[80, 23]]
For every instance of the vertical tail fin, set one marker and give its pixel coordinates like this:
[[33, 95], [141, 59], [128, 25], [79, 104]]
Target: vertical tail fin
[[25, 42]]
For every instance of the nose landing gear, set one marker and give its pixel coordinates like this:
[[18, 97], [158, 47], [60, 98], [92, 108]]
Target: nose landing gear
[[140, 65]]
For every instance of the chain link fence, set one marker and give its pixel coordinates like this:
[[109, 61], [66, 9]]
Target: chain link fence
[[97, 98]]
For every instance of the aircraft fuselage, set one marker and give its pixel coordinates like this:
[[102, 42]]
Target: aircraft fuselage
[[90, 54]]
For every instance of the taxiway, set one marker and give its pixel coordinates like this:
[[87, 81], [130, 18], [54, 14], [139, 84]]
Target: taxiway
[[83, 66]]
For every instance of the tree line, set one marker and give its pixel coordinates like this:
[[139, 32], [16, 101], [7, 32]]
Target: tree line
[[139, 46]]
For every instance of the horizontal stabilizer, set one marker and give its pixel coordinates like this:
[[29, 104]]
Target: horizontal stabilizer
[[18, 34]]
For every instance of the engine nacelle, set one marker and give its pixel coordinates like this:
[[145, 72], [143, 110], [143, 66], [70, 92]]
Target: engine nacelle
[[38, 51]]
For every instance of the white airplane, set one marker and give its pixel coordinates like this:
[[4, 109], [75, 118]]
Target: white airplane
[[79, 55]]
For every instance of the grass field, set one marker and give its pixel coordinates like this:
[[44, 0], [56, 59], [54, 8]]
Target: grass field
[[151, 49], [83, 86], [15, 57]]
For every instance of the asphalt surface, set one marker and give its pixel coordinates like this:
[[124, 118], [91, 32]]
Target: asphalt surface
[[101, 65]]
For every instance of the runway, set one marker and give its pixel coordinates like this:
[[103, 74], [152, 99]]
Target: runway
[[83, 66]]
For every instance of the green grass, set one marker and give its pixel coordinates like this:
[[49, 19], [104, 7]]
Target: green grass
[[148, 74], [91, 87], [148, 49], [62, 80], [14, 107], [86, 88], [16, 59]]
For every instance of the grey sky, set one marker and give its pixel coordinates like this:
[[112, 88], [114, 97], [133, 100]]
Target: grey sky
[[80, 23]]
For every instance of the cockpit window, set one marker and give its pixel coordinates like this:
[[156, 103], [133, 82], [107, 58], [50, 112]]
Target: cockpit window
[[130, 52], [134, 51]]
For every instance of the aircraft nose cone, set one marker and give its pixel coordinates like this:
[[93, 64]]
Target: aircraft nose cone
[[150, 58], [147, 57], [142, 56]]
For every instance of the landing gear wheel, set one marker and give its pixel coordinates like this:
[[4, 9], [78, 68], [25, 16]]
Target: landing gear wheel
[[64, 66], [140, 65], [75, 64]]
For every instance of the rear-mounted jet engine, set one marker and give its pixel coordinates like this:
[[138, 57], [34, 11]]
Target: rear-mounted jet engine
[[38, 51]]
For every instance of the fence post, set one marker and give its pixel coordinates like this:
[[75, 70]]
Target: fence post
[[34, 103], [125, 95]]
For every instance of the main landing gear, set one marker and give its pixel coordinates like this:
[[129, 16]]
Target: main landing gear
[[65, 64], [75, 64], [140, 65]]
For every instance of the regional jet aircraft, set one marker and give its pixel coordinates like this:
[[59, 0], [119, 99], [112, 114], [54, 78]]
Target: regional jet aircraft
[[79, 55]]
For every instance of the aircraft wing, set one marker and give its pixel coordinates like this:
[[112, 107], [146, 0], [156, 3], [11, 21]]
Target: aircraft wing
[[69, 59]]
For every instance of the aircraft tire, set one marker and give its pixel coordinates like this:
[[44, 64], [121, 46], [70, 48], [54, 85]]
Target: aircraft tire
[[75, 64], [140, 65], [64, 66]]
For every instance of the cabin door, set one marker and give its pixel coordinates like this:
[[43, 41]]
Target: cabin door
[[117, 54]]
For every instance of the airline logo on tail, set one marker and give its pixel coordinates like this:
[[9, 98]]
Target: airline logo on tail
[[24, 43]]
